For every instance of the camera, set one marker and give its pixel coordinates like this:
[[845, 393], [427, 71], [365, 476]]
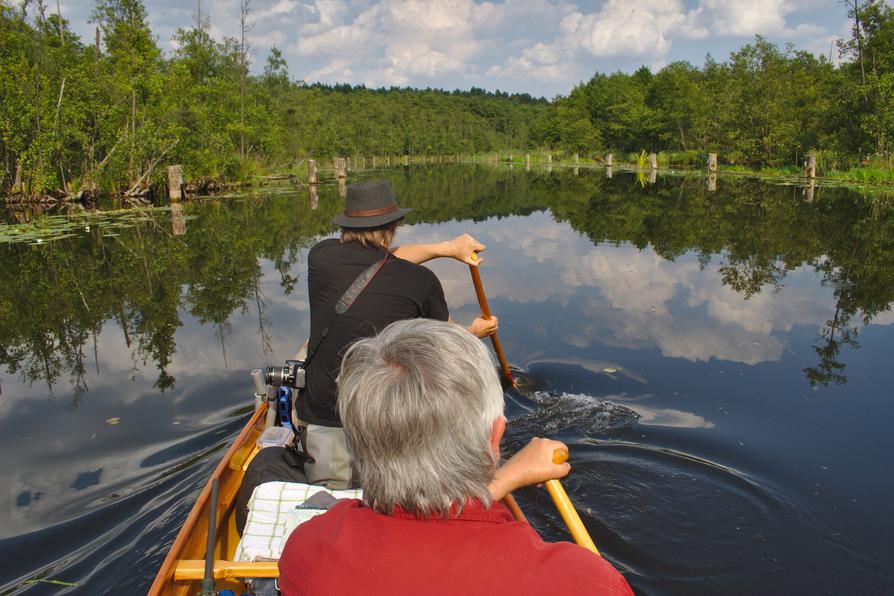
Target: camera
[[292, 374]]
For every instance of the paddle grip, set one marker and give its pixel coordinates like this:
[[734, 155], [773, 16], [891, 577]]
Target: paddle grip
[[560, 456]]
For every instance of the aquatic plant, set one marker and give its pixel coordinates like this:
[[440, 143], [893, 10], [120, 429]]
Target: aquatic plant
[[49, 228]]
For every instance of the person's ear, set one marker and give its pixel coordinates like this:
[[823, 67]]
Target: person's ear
[[496, 434]]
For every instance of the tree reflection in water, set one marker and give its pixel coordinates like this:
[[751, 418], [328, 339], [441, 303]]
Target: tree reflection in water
[[55, 298]]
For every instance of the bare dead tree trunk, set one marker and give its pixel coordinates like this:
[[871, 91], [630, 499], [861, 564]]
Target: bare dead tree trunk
[[92, 156], [244, 27], [133, 130], [59, 16], [854, 6]]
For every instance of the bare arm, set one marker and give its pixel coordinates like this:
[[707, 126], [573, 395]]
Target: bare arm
[[460, 248], [532, 465]]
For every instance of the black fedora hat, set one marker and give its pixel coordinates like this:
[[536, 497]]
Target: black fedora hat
[[370, 205]]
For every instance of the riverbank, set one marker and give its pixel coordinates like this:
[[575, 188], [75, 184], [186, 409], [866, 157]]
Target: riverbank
[[876, 175], [306, 172]]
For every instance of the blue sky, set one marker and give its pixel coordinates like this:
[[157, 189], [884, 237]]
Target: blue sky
[[542, 47]]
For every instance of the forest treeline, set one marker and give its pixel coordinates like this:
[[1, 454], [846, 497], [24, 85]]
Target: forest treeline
[[765, 106], [108, 114]]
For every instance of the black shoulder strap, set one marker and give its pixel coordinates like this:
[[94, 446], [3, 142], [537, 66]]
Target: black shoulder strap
[[347, 299]]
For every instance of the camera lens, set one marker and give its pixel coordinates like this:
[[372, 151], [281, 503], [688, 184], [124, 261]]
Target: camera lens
[[275, 375]]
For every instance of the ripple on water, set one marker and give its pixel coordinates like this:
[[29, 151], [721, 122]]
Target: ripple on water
[[677, 524], [117, 547]]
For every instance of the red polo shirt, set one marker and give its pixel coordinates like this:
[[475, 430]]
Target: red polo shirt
[[351, 549]]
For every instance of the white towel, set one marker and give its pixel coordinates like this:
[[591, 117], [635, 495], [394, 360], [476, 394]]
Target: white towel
[[272, 515]]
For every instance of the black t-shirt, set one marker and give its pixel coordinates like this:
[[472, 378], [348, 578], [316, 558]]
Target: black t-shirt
[[400, 290]]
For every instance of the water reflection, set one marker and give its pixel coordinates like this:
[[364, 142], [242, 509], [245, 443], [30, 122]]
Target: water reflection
[[731, 254], [673, 332], [635, 298]]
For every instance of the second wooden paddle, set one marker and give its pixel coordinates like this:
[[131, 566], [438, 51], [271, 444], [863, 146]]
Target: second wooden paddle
[[485, 313]]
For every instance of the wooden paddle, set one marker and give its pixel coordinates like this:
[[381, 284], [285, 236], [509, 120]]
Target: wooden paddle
[[566, 507], [485, 313], [554, 487]]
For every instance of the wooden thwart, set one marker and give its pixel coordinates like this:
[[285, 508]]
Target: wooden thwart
[[194, 569]]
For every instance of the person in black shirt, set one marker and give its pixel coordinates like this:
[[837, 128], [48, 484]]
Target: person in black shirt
[[401, 289]]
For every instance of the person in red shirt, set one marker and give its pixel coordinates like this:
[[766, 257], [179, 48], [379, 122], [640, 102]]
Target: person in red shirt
[[422, 410]]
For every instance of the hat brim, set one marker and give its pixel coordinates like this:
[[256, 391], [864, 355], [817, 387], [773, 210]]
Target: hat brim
[[375, 221]]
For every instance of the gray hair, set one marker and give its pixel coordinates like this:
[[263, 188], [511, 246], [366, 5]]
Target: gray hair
[[418, 403]]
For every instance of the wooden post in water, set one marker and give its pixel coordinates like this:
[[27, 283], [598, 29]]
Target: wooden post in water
[[17, 183], [313, 196], [374, 160], [388, 160], [528, 159], [312, 171], [175, 182], [712, 162], [712, 182], [178, 222], [653, 176], [342, 188], [576, 159], [653, 161], [608, 171], [810, 169], [609, 160], [406, 159], [339, 164], [576, 170], [809, 190]]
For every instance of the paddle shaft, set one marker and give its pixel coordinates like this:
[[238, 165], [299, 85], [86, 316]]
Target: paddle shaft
[[485, 313], [569, 514], [566, 507], [554, 487]]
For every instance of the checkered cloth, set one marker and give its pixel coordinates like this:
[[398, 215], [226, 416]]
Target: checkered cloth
[[273, 512]]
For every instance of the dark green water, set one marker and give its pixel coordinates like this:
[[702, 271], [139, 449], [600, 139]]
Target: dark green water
[[750, 330]]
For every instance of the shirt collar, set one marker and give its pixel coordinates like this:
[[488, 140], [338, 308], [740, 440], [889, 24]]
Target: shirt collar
[[473, 510]]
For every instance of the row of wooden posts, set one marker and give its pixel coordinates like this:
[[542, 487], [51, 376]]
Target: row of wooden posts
[[339, 163], [178, 220], [340, 166]]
